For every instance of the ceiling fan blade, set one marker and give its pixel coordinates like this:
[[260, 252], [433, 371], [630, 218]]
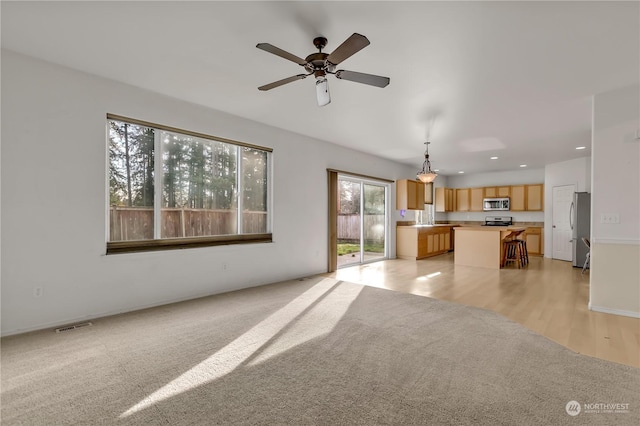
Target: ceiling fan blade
[[283, 81], [283, 54], [352, 45], [359, 77]]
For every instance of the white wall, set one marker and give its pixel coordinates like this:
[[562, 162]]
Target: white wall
[[615, 248], [572, 172], [54, 201], [517, 177]]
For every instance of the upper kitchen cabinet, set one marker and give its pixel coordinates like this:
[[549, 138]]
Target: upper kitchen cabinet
[[497, 191], [462, 200], [522, 198], [527, 197], [518, 203], [428, 193], [476, 196], [535, 197], [444, 200], [409, 195], [504, 191]]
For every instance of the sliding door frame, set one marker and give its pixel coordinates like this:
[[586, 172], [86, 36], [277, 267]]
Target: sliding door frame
[[332, 179]]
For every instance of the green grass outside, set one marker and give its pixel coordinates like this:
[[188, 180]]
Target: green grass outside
[[348, 248]]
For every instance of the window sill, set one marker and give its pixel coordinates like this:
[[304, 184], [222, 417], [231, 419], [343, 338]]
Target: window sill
[[117, 247]]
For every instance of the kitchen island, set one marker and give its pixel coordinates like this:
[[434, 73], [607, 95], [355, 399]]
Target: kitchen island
[[419, 241], [482, 245]]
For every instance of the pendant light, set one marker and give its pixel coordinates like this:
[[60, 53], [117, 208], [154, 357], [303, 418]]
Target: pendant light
[[426, 175]]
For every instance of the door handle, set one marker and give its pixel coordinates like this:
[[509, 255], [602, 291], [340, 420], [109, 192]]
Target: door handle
[[571, 216]]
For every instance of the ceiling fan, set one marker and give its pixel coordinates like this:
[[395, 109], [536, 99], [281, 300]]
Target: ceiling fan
[[320, 64]]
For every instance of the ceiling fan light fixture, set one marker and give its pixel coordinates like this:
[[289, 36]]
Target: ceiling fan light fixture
[[322, 91], [426, 175]]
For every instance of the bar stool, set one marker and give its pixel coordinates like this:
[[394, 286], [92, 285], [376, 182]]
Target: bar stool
[[512, 252], [524, 251], [515, 250]]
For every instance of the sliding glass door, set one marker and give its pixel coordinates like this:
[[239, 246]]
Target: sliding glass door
[[361, 221]]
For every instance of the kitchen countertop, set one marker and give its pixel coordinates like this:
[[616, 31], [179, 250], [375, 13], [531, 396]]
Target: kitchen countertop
[[525, 224], [491, 228], [427, 226], [467, 224]]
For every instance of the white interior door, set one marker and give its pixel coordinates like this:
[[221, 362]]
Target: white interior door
[[561, 223]]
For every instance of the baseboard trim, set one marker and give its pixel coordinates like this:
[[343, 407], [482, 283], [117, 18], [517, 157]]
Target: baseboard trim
[[51, 325], [622, 241], [631, 314]]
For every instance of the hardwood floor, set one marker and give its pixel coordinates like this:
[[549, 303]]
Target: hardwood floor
[[548, 296]]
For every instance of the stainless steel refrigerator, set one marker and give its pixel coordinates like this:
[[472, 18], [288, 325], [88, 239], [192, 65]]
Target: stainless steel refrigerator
[[580, 221]]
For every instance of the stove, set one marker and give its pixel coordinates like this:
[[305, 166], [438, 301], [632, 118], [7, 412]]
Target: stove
[[498, 221]]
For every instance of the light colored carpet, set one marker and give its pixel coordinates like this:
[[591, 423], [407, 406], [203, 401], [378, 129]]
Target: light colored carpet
[[317, 351]]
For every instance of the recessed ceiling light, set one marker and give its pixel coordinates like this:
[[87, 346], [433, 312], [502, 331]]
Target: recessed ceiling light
[[461, 172], [494, 158], [523, 165], [580, 147]]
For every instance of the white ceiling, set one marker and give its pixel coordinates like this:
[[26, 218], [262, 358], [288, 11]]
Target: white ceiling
[[478, 79]]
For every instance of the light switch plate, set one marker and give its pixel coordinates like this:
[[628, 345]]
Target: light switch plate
[[610, 218]]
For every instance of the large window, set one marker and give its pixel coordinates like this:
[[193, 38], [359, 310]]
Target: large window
[[171, 188]]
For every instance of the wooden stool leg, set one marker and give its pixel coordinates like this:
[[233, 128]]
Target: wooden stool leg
[[505, 255], [519, 255]]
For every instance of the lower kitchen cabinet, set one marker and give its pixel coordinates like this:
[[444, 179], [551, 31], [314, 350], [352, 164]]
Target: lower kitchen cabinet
[[535, 242], [418, 242]]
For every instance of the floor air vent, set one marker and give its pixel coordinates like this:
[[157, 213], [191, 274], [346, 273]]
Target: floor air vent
[[73, 327]]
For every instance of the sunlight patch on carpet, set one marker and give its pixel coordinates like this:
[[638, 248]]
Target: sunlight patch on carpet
[[245, 346], [318, 321]]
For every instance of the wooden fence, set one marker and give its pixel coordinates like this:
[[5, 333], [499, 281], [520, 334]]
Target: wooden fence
[[349, 228], [136, 223]]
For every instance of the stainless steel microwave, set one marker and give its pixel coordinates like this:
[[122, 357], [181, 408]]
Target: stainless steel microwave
[[493, 204]]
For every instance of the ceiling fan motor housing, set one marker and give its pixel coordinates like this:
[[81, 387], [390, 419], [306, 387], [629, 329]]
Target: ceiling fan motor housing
[[320, 43], [317, 62]]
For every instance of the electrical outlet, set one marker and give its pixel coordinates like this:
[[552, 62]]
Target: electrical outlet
[[224, 266], [610, 218], [38, 291]]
